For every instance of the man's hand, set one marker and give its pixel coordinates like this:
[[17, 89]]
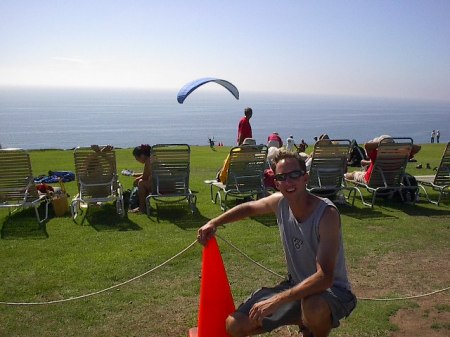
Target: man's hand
[[264, 308], [206, 232]]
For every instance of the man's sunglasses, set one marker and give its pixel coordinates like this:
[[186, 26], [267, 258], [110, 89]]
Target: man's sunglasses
[[294, 175]]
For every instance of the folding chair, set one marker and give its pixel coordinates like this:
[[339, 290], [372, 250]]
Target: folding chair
[[441, 181], [245, 175], [328, 166], [388, 171], [170, 165], [97, 180], [17, 188]]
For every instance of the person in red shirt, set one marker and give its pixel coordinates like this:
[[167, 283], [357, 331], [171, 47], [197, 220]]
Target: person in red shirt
[[275, 137], [245, 129]]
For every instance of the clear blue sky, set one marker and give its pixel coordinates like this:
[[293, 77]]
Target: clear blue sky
[[371, 48]]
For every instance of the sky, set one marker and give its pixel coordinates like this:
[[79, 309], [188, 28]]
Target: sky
[[359, 48]]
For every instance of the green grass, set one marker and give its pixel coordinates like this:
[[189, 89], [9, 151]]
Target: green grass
[[65, 259]]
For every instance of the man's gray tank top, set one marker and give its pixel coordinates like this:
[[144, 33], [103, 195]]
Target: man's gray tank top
[[301, 242]]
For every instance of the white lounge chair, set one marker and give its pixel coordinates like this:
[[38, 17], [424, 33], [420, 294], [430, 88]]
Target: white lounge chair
[[97, 180], [388, 171], [17, 188], [170, 165], [439, 182]]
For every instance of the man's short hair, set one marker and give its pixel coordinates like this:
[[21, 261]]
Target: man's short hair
[[283, 155], [248, 111]]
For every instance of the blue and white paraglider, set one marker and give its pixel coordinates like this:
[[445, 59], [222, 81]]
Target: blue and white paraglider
[[191, 86]]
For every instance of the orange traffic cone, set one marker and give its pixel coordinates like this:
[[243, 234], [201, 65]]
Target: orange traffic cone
[[216, 300]]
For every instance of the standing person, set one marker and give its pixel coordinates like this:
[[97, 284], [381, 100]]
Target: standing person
[[244, 128], [275, 137], [317, 293], [438, 135], [143, 181], [290, 144], [302, 146], [433, 134]]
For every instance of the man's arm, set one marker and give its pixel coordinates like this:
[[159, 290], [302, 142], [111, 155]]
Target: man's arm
[[321, 280], [248, 209]]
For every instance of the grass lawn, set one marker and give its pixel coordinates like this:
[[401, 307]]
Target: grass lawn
[[394, 249]]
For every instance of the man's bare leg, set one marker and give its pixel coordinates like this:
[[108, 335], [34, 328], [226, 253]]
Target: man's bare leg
[[240, 325], [316, 316]]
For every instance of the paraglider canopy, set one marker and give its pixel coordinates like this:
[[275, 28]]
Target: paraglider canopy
[[191, 86]]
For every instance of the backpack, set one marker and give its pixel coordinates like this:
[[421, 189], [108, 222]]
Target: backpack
[[408, 195], [134, 198]]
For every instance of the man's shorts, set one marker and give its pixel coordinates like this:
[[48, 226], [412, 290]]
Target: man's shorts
[[341, 302]]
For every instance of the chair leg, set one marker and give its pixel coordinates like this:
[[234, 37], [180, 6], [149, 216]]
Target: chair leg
[[213, 198]]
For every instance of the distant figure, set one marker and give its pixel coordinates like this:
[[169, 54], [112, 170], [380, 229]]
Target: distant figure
[[143, 181], [315, 139], [274, 139], [245, 129], [290, 144], [433, 134], [302, 146], [438, 135], [211, 143]]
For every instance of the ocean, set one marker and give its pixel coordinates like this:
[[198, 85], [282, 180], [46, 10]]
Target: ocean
[[66, 118]]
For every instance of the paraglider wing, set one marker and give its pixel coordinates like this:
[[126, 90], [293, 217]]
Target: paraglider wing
[[191, 86]]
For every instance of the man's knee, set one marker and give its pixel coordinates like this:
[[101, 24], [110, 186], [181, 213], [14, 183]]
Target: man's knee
[[237, 325], [232, 326], [315, 312]]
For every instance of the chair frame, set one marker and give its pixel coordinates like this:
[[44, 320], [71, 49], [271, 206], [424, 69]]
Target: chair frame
[[328, 152], [114, 186], [22, 188], [170, 170], [234, 187], [389, 179], [441, 181]]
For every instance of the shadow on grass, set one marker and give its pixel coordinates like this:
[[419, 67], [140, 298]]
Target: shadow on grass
[[105, 218], [364, 213], [179, 214], [23, 225], [425, 210], [269, 220]]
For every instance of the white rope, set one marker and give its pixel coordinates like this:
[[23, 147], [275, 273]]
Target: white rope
[[404, 297], [359, 298], [249, 258], [106, 289]]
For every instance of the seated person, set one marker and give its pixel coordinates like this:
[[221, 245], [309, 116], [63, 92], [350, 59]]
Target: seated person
[[143, 181], [269, 173], [222, 175], [371, 152], [274, 137]]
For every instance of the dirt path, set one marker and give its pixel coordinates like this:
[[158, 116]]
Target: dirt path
[[410, 274]]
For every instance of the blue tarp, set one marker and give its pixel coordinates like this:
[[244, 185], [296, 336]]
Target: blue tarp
[[54, 176]]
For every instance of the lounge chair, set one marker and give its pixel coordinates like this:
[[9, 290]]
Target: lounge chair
[[245, 175], [170, 165], [17, 188], [328, 166], [441, 181], [97, 180], [388, 171]]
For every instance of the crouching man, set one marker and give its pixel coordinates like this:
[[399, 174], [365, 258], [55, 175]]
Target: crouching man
[[317, 293]]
